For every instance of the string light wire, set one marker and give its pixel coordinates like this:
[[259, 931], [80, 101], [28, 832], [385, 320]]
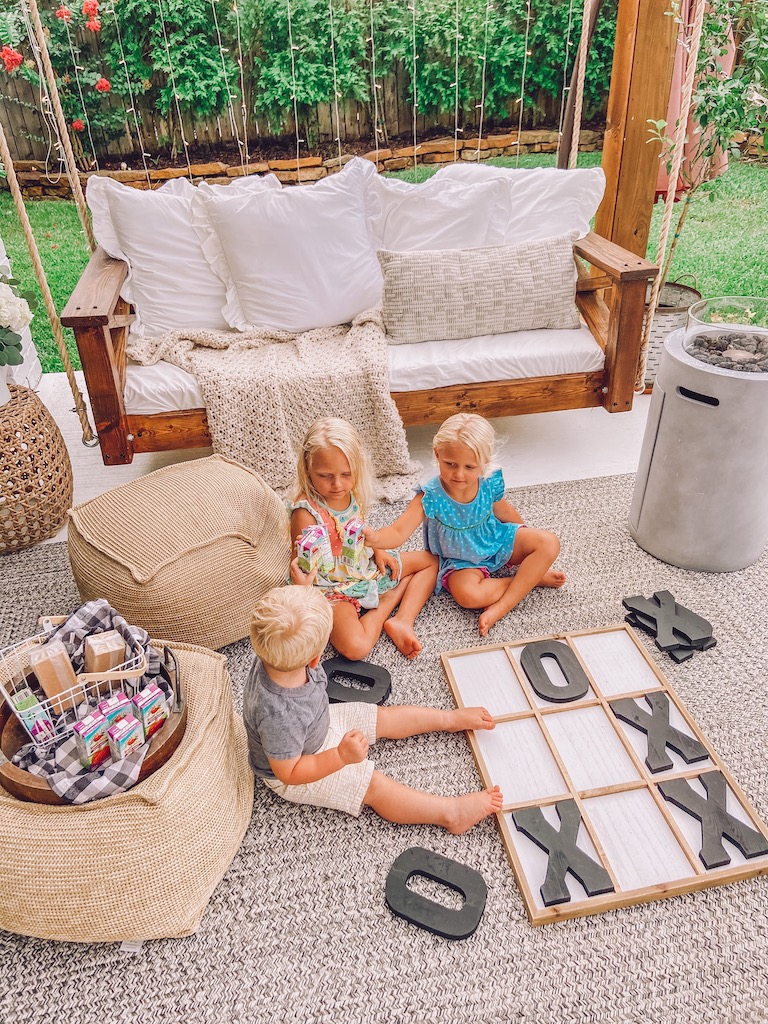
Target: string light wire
[[173, 86], [482, 82], [522, 79], [132, 109]]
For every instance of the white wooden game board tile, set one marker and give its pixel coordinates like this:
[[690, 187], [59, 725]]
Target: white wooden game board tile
[[555, 673], [487, 678], [640, 846], [615, 663], [639, 740], [590, 748], [518, 760], [691, 829], [533, 859]]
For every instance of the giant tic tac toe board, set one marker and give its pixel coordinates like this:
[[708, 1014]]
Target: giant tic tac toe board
[[612, 795]]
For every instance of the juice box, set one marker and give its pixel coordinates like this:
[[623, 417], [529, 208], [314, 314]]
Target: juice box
[[92, 740], [115, 708], [150, 708], [314, 549], [353, 542], [33, 714], [124, 736]]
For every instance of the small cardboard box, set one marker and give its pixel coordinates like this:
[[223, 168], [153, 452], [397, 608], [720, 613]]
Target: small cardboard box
[[50, 663], [92, 740], [313, 548], [125, 736], [115, 708], [104, 651], [150, 708], [353, 543], [33, 714]]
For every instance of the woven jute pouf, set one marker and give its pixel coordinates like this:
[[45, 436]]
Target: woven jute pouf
[[185, 551], [142, 864], [35, 472]]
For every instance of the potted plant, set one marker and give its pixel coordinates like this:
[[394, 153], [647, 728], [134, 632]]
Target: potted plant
[[15, 314]]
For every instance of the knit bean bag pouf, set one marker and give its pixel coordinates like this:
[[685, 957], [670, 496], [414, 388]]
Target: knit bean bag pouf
[[141, 864], [185, 551]]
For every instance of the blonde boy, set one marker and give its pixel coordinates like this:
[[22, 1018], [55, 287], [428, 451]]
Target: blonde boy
[[311, 752]]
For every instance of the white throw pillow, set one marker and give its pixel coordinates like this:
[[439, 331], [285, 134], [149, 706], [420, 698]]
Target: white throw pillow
[[469, 293], [437, 214], [544, 201], [293, 259], [170, 282]]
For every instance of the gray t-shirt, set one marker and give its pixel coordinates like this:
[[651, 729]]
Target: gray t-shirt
[[283, 722]]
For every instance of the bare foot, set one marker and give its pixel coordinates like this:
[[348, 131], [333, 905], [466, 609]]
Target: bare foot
[[403, 637], [467, 810], [552, 578], [491, 616], [471, 718]]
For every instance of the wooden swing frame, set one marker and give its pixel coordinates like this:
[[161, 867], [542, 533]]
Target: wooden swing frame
[[611, 290]]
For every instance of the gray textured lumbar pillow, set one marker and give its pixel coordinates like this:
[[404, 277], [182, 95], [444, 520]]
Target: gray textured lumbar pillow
[[464, 293]]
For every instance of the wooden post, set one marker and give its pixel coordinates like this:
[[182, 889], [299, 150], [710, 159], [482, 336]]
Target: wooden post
[[646, 37]]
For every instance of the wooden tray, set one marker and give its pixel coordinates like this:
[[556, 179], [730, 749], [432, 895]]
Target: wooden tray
[[26, 786]]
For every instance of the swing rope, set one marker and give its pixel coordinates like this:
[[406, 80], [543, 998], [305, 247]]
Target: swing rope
[[678, 155], [374, 87], [580, 77], [70, 162], [58, 335], [335, 80], [413, 32], [293, 88], [456, 128], [522, 79], [481, 104], [132, 108]]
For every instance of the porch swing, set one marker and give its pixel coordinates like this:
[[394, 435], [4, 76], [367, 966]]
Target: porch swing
[[611, 290]]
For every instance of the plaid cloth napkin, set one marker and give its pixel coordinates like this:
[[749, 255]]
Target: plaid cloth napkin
[[75, 784], [97, 617]]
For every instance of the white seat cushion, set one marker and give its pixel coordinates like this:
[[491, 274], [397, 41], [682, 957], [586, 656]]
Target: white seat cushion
[[166, 388]]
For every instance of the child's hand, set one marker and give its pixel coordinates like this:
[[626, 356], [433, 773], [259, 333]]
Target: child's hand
[[300, 578], [353, 747], [370, 536], [385, 561]]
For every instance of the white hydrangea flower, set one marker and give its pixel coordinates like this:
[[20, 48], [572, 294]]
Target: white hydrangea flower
[[14, 310]]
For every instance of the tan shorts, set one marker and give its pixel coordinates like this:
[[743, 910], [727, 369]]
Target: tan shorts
[[345, 789]]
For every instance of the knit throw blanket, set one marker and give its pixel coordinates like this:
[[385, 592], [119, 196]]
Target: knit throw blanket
[[263, 389]]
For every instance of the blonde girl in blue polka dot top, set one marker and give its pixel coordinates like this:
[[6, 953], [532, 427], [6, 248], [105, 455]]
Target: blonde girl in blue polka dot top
[[472, 528]]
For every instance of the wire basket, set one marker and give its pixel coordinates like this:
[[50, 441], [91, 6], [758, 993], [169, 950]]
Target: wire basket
[[49, 720]]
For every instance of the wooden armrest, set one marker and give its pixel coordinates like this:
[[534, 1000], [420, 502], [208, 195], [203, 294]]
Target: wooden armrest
[[617, 263], [92, 303]]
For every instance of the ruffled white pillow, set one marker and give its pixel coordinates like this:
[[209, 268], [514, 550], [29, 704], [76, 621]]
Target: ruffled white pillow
[[543, 201], [170, 282], [293, 259]]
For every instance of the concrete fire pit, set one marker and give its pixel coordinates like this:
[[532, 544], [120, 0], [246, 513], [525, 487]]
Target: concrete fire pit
[[701, 492]]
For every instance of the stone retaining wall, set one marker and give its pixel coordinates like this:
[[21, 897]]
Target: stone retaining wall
[[38, 182]]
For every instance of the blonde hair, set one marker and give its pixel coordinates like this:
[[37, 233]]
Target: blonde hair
[[473, 431], [331, 432], [290, 626]]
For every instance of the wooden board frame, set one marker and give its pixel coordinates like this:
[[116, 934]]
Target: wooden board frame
[[700, 877]]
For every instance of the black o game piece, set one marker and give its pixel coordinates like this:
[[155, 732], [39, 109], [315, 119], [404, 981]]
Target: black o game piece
[[377, 680], [425, 913]]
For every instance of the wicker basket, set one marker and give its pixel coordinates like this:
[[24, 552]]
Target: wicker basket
[[35, 472], [671, 313]]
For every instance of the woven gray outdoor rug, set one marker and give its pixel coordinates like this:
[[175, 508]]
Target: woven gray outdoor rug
[[298, 930]]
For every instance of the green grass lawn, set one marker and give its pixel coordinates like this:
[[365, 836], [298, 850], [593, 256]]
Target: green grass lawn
[[722, 245]]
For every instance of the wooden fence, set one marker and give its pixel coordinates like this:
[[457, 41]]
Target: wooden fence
[[31, 138]]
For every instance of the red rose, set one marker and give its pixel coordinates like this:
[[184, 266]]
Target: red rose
[[11, 58], [90, 8], [103, 85], [64, 14], [78, 125], [93, 24]]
